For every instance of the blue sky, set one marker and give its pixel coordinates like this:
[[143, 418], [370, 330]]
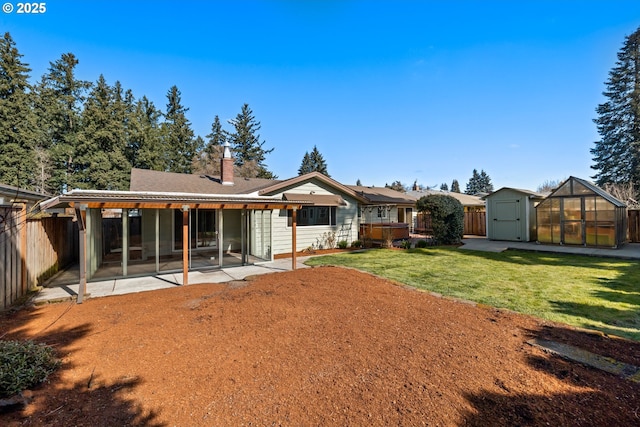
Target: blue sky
[[387, 90]]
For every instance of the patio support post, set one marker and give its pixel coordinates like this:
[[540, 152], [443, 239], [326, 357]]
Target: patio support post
[[185, 245], [243, 237], [81, 217], [23, 249], [293, 239], [220, 237], [125, 241], [157, 240]]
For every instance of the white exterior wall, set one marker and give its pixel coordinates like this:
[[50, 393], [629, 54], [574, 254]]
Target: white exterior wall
[[346, 227]]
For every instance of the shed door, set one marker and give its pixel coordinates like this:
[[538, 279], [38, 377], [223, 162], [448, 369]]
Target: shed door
[[506, 220]]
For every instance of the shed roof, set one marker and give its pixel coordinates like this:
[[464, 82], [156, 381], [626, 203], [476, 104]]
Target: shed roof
[[531, 194]]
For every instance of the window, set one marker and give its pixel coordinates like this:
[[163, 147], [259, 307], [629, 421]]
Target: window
[[382, 211], [313, 215]]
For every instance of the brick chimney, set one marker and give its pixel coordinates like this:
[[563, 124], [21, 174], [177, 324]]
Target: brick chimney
[[226, 168]]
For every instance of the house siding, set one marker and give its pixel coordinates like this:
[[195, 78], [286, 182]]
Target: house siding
[[346, 227]]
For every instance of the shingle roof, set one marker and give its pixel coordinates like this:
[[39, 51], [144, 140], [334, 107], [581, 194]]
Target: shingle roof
[[464, 199], [383, 195], [158, 181]]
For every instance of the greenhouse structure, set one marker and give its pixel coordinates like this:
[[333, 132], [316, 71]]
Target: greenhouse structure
[[580, 213]]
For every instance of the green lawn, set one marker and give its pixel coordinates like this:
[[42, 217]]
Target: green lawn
[[589, 292]]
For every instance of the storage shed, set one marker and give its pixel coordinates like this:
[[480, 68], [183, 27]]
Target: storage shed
[[511, 214], [580, 213]]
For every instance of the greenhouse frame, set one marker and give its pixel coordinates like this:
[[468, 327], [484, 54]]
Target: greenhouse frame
[[580, 213]]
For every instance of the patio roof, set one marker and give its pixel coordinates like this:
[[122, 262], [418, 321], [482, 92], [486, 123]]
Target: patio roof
[[166, 200]]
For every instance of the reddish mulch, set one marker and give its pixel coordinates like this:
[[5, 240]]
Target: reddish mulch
[[321, 346]]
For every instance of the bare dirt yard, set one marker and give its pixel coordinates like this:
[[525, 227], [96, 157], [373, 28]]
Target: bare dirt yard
[[314, 347]]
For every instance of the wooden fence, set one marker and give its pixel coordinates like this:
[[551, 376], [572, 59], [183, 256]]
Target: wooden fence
[[52, 245], [32, 250], [13, 284], [474, 223], [634, 225]]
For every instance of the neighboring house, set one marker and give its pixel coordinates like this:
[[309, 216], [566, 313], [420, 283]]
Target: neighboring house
[[10, 195], [469, 203], [474, 208]]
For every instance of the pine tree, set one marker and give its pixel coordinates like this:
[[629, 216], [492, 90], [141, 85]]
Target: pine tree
[[101, 161], [455, 186], [247, 147], [179, 139], [17, 119], [616, 155], [313, 162], [479, 183], [444, 186], [358, 183], [60, 96]]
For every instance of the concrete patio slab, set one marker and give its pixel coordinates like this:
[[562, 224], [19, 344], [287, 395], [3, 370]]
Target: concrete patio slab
[[150, 283]]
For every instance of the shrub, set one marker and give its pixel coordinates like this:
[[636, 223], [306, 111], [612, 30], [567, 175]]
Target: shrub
[[422, 244], [24, 364], [447, 217], [342, 244], [405, 244], [356, 244]]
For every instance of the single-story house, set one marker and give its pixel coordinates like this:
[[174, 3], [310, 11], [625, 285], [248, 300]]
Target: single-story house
[[169, 222]]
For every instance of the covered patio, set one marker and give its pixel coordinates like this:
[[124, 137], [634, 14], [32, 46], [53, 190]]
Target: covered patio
[[132, 234]]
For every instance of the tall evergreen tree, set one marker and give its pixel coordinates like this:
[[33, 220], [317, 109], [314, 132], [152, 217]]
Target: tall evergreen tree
[[247, 147], [60, 97], [306, 166], [358, 182], [145, 144], [444, 186], [616, 155], [479, 183], [455, 186], [17, 119], [313, 162], [208, 159], [101, 161], [180, 142]]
